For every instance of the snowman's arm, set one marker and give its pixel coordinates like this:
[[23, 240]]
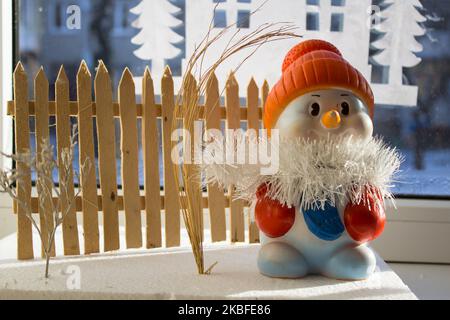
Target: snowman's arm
[[272, 218], [365, 221]]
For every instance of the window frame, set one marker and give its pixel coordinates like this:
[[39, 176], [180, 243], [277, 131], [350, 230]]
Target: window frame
[[7, 56], [416, 232]]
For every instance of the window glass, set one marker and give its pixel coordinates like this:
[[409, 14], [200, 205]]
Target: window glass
[[313, 2], [312, 21], [220, 19], [337, 22], [338, 3], [408, 63], [243, 19]]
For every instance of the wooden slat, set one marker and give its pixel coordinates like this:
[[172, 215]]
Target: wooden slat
[[216, 194], [191, 170], [41, 89], [253, 124], [73, 110], [130, 160], [22, 137], [237, 222], [171, 190], [86, 153], [63, 134], [120, 206], [107, 158], [150, 146], [264, 94]]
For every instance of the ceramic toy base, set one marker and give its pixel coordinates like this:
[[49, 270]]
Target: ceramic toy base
[[301, 252], [279, 260]]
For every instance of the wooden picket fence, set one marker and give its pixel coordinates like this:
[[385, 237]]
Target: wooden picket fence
[[152, 201]]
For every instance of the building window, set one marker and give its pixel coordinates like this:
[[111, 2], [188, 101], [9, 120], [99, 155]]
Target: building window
[[243, 20], [58, 22], [220, 19], [338, 3], [337, 22], [312, 2], [122, 17], [312, 21]]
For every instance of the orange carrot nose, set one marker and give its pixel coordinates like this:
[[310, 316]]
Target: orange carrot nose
[[331, 119]]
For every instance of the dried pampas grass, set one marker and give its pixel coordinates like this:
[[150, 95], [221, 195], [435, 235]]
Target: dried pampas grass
[[195, 87]]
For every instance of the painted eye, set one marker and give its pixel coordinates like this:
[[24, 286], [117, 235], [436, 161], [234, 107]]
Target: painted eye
[[314, 110], [345, 108]]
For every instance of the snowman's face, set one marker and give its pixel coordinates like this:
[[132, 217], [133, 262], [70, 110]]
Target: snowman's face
[[325, 113]]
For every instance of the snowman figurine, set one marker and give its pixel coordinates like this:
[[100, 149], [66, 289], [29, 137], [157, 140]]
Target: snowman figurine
[[320, 96]]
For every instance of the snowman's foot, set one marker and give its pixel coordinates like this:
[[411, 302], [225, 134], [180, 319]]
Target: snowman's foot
[[280, 260], [351, 264]]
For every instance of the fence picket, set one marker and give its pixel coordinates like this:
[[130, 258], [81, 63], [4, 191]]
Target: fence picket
[[107, 158], [171, 190], [216, 196], [22, 137], [86, 153], [264, 93], [237, 225], [253, 124], [130, 160], [63, 133], [41, 89], [150, 146]]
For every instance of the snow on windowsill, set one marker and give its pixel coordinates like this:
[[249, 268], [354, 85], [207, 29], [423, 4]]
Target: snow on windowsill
[[172, 274]]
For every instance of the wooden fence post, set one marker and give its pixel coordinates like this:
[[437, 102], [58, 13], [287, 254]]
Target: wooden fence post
[[233, 106], [107, 157], [253, 124], [22, 136], [264, 93], [216, 195], [41, 89], [130, 160], [150, 146], [86, 153], [171, 190], [63, 133]]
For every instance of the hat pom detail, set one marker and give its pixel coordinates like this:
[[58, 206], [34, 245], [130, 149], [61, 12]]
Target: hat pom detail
[[306, 47]]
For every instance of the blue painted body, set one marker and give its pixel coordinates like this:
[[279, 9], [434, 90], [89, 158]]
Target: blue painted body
[[316, 244], [324, 223]]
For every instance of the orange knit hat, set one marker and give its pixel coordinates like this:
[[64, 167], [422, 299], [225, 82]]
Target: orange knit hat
[[314, 65]]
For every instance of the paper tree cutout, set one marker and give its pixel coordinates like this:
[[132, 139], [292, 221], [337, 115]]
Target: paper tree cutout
[[344, 23], [156, 38], [399, 45]]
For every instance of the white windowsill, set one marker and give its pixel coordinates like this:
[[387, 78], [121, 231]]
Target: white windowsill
[[159, 276], [419, 231]]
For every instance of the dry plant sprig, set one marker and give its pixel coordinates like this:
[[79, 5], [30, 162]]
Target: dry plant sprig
[[51, 197], [192, 88]]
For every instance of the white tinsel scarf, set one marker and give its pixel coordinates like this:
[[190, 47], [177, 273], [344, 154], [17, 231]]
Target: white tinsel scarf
[[313, 173]]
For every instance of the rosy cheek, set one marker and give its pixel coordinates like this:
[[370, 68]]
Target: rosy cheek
[[298, 129], [360, 126]]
